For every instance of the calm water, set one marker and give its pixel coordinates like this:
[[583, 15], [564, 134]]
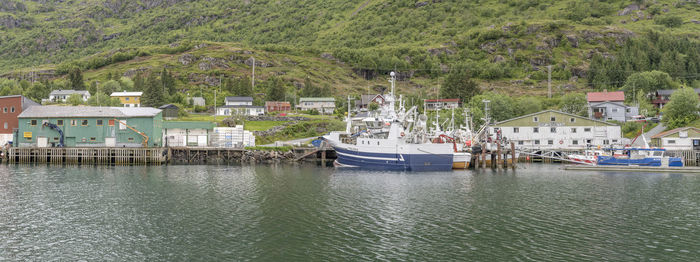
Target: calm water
[[287, 212]]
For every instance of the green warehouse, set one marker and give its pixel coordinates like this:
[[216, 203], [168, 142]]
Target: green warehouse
[[84, 126]]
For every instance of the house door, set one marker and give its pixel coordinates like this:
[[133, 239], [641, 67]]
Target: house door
[[696, 144], [42, 141], [110, 141]]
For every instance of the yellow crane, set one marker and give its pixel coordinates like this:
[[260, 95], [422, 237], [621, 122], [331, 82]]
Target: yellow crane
[[145, 137]]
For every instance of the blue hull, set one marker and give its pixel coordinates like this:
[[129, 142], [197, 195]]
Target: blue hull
[[649, 161], [395, 162]]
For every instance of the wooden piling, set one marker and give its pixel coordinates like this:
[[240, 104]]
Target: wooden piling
[[483, 159], [498, 155], [512, 152]]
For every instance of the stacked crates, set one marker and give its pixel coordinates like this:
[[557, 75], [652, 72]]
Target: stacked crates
[[232, 137]]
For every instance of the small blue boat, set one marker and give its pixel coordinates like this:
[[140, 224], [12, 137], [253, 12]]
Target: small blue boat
[[639, 157]]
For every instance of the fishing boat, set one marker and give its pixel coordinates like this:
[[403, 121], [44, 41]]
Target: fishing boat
[[588, 156], [639, 157], [391, 139]]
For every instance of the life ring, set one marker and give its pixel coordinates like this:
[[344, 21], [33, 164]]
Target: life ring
[[561, 142], [402, 134]]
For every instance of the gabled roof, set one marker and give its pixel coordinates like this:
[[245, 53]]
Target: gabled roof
[[673, 131], [124, 93], [317, 99], [366, 99], [668, 92], [445, 100], [239, 99], [277, 103], [241, 106], [606, 96], [87, 111], [68, 92], [554, 111], [168, 106]]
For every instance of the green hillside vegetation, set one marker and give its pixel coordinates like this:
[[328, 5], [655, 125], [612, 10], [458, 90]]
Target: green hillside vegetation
[[318, 48]]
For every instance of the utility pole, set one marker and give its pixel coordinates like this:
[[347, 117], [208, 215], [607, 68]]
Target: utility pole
[[549, 81], [215, 105], [253, 74]]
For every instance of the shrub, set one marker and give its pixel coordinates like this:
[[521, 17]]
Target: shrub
[[669, 21]]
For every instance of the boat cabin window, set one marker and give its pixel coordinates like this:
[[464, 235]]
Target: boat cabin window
[[550, 142], [573, 130], [537, 142], [588, 141], [658, 153], [520, 142], [516, 130], [553, 130], [606, 142], [535, 129], [586, 129], [574, 142], [614, 141]]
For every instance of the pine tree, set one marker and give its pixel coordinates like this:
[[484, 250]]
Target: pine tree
[[459, 85], [167, 81], [75, 78], [153, 93], [139, 84], [275, 89]]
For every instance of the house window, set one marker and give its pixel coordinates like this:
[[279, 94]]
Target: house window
[[606, 142], [4, 110], [5, 125], [520, 142], [55, 139], [126, 99], [516, 130], [535, 129], [671, 142], [628, 110], [588, 141], [535, 119], [110, 122], [73, 122], [553, 130], [537, 142], [12, 109], [33, 122], [614, 110], [84, 122], [574, 142], [131, 139], [92, 139], [550, 142], [573, 130], [99, 122], [29, 139], [572, 120], [59, 122], [553, 119], [586, 129]]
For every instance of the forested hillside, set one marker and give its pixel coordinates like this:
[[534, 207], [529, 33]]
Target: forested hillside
[[505, 45]]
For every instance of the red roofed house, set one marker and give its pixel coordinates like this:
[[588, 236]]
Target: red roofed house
[[437, 104], [10, 108], [610, 106], [277, 106]]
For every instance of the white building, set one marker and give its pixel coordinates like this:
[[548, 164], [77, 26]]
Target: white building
[[239, 101], [128, 99], [324, 105], [186, 133], [229, 137], [63, 95], [438, 104], [198, 101], [245, 110], [684, 138], [557, 130]]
